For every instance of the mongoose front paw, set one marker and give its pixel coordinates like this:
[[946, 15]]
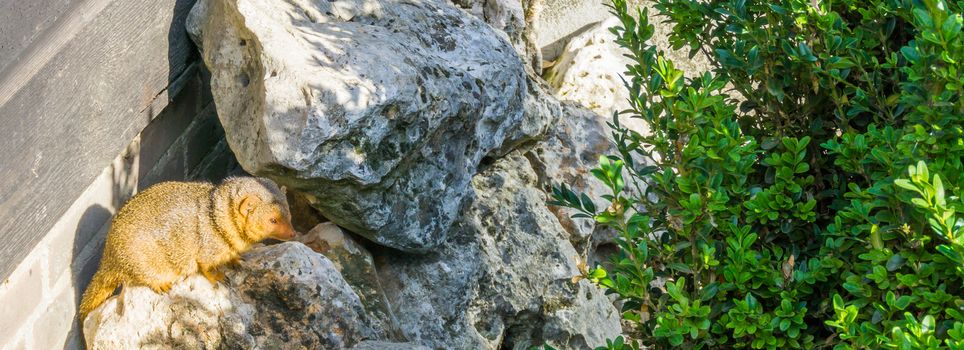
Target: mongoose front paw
[[161, 288], [214, 276]]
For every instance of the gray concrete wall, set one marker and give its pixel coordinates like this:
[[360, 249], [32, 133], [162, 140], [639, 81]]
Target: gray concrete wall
[[38, 300]]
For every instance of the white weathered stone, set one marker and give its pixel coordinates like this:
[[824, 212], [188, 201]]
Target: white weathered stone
[[588, 71], [379, 109], [503, 278], [278, 296], [559, 19]]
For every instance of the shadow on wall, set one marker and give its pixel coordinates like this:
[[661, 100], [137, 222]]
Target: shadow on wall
[[83, 266], [91, 230], [178, 41]]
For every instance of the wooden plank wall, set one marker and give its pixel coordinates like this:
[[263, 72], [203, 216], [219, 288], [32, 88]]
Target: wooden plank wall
[[78, 80]]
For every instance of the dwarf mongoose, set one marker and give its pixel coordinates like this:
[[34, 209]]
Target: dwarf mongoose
[[175, 229]]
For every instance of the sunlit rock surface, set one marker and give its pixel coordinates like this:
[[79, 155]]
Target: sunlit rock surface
[[380, 110]]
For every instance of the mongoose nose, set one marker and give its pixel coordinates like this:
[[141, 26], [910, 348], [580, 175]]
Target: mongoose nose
[[285, 234]]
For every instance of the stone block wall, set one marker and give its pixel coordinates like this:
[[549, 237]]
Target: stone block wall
[[39, 299]]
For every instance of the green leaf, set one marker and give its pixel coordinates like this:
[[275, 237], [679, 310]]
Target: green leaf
[[939, 191], [751, 301], [775, 88], [587, 203], [778, 9], [903, 302], [922, 172], [920, 203], [681, 267], [838, 303], [911, 54], [749, 240], [951, 27], [923, 18], [927, 325], [769, 143], [805, 53], [646, 170], [905, 184], [895, 262], [950, 253], [709, 291]]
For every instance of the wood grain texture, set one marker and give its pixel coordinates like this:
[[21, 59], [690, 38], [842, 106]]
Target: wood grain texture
[[73, 98], [22, 23]]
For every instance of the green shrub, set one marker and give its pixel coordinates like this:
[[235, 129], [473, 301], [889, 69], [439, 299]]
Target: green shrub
[[819, 207]]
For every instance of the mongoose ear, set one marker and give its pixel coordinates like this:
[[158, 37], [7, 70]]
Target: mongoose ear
[[284, 190], [247, 204]]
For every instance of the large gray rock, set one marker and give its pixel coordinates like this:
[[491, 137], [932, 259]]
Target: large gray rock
[[502, 279], [379, 110], [280, 296]]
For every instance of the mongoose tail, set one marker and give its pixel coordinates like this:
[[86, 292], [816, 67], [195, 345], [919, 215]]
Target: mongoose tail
[[101, 287]]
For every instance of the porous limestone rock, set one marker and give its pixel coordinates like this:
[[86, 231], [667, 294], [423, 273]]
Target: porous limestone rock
[[560, 19], [505, 16], [502, 279], [278, 296], [300, 297], [380, 111], [508, 17]]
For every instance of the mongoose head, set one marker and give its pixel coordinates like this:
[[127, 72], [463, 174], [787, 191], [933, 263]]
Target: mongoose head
[[261, 208]]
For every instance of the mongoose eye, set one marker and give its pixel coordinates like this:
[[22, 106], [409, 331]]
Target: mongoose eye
[[274, 220]]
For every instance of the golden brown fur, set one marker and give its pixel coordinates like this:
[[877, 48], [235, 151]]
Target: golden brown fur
[[175, 229]]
